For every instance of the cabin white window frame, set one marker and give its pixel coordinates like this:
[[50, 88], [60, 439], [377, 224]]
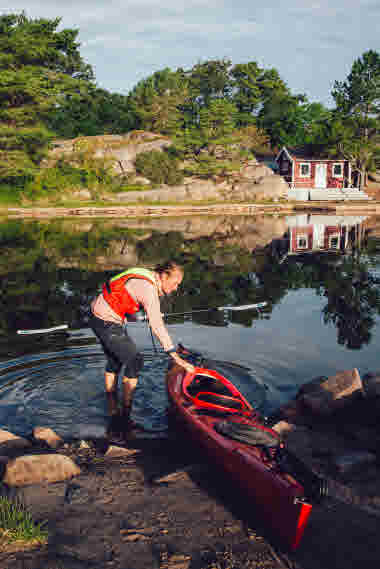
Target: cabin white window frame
[[341, 170], [302, 237], [308, 166]]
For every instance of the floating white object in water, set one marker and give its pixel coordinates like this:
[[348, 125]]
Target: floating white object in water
[[44, 330]]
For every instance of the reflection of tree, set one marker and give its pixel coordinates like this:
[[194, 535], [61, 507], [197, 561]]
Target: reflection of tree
[[49, 272], [35, 292], [353, 301], [353, 296]]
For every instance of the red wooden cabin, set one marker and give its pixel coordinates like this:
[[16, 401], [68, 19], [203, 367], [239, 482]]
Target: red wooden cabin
[[301, 170]]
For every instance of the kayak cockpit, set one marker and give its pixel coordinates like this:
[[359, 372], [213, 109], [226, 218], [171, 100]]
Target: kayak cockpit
[[207, 389]]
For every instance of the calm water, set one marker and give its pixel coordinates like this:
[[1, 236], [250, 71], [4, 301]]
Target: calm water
[[319, 275]]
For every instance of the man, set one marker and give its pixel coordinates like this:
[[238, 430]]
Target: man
[[123, 296]]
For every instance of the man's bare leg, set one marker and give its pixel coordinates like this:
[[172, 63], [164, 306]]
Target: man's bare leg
[[110, 380], [129, 386]]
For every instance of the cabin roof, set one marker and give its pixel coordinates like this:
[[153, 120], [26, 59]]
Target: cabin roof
[[304, 153]]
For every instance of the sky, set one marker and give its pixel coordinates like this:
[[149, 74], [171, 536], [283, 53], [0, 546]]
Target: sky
[[311, 43]]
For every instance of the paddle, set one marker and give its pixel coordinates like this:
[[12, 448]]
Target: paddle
[[225, 308], [139, 317]]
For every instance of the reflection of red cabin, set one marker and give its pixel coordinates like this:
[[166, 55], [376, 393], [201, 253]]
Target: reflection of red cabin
[[304, 239], [319, 233], [301, 170]]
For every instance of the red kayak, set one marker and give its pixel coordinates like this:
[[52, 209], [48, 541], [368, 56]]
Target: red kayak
[[235, 437]]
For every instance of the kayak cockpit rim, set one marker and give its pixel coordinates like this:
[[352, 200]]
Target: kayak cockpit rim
[[211, 396]]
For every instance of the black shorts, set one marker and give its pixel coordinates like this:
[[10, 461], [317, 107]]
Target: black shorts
[[118, 347]]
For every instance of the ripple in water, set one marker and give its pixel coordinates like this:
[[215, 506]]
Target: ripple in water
[[65, 391]]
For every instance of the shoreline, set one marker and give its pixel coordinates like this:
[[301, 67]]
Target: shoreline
[[189, 209]]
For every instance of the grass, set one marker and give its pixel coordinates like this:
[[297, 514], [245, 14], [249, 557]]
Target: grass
[[17, 526]]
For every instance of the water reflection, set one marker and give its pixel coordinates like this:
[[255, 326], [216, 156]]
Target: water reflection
[[319, 275], [327, 253], [310, 234]]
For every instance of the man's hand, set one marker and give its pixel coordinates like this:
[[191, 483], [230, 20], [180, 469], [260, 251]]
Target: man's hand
[[183, 363]]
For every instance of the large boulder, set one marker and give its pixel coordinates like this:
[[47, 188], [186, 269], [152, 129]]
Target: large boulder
[[39, 468], [324, 396]]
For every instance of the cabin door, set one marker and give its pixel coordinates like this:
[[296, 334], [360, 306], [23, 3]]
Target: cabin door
[[321, 175]]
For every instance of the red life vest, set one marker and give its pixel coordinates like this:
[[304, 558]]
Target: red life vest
[[116, 295]]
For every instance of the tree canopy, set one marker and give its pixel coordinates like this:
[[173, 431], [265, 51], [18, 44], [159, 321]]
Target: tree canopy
[[47, 90], [356, 120], [39, 67]]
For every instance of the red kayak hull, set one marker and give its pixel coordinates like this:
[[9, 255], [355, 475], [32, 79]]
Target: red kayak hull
[[277, 496]]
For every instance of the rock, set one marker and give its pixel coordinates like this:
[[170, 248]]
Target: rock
[[36, 469], [291, 412], [178, 561], [3, 465], [264, 187], [256, 171], [82, 194], [114, 451], [283, 428], [48, 436], [10, 442], [298, 440], [371, 384], [324, 397], [374, 176], [311, 386], [351, 463], [366, 437], [141, 180]]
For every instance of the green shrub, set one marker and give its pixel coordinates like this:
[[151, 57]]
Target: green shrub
[[16, 524], [9, 194], [159, 167], [63, 176]]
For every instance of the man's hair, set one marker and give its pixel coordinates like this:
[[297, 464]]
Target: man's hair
[[168, 267]]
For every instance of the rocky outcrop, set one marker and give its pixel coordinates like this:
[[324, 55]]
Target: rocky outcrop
[[267, 187], [253, 181], [120, 150]]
